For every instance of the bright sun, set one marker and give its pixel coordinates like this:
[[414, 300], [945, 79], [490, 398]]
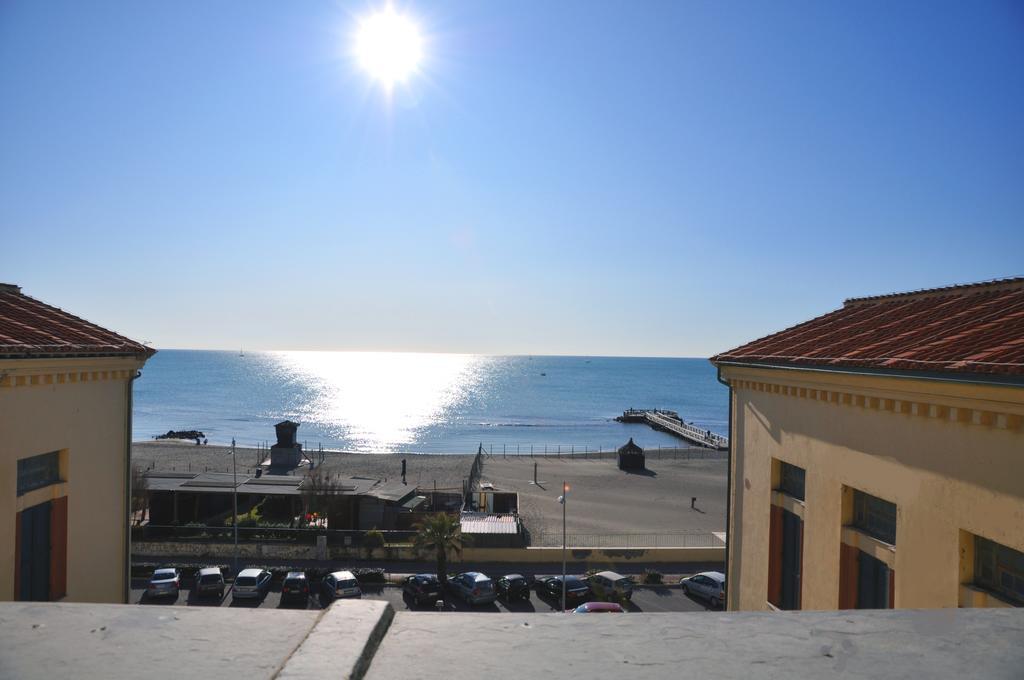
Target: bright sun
[[388, 46]]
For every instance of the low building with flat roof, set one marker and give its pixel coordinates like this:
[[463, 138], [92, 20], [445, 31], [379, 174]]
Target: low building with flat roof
[[878, 455], [65, 441]]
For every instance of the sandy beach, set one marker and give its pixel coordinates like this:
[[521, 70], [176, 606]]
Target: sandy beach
[[424, 470], [603, 499]]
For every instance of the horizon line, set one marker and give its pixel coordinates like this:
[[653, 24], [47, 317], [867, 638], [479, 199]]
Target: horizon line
[[396, 351]]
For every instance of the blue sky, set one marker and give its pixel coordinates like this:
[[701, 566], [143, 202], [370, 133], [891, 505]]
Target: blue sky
[[663, 178]]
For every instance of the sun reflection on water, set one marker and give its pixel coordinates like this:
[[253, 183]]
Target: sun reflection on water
[[378, 400]]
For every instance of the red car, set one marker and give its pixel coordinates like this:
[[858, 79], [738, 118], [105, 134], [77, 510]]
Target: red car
[[599, 608]]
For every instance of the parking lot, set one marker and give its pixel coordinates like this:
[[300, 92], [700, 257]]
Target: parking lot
[[650, 599]]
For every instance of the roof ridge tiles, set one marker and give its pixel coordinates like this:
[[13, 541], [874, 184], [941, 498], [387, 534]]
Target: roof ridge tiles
[[992, 285]]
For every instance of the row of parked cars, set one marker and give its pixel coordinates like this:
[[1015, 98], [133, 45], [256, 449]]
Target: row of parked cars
[[476, 588], [473, 587], [252, 584]]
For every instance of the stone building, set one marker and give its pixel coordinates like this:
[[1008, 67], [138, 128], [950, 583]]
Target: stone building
[[878, 455]]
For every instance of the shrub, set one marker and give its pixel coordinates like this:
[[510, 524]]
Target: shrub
[[653, 577], [369, 575], [373, 539]]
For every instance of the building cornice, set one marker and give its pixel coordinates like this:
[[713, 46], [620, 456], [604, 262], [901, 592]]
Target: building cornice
[[994, 406], [53, 371]]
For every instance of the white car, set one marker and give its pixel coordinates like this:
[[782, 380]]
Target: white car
[[708, 584], [341, 584]]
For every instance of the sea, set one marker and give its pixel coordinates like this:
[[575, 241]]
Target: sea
[[423, 403]]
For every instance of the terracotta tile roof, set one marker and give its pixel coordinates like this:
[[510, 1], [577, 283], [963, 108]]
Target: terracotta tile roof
[[30, 328], [973, 328]]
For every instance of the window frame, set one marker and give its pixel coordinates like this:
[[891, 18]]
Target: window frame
[[788, 472], [987, 550], [871, 515], [38, 472]]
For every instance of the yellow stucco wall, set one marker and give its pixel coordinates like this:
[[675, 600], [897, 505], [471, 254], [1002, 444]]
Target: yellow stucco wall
[[77, 406], [951, 456]]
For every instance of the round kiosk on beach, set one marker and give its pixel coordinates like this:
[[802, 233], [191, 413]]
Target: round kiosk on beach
[[631, 456]]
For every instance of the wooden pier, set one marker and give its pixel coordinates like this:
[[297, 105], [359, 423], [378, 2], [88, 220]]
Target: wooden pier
[[669, 421]]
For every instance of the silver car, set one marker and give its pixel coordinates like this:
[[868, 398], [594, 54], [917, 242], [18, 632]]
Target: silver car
[[474, 587], [341, 584], [209, 581], [251, 584], [612, 585], [165, 582], [709, 585]]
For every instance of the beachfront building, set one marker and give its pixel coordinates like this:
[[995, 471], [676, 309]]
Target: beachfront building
[[878, 455], [65, 434]]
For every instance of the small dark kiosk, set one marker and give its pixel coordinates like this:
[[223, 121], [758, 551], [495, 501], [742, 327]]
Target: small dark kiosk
[[631, 457], [287, 452]]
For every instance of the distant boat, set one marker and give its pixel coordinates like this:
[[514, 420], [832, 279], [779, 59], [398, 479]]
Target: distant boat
[[240, 352], [544, 374]]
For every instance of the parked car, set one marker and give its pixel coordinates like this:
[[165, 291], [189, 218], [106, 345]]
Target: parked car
[[611, 585], [165, 582], [209, 581], [599, 608], [251, 584], [473, 587], [340, 584], [708, 584], [422, 588], [512, 587], [576, 589], [295, 587]]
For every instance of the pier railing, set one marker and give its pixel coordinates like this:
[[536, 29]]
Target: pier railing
[[680, 539], [669, 421]]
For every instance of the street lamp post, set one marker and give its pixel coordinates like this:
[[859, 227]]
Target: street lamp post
[[562, 499], [234, 489]]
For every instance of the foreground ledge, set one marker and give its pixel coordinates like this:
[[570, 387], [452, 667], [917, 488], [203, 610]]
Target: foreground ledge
[[946, 643], [354, 639]]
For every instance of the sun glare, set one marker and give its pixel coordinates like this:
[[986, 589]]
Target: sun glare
[[388, 46]]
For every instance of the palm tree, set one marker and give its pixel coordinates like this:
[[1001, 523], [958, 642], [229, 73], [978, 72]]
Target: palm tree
[[439, 534]]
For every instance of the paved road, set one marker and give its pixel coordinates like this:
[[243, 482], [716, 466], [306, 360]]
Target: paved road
[[645, 599]]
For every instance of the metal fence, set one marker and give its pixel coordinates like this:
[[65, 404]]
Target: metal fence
[[571, 452], [302, 536], [681, 539]]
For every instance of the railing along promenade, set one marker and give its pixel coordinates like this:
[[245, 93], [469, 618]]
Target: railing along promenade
[[669, 421], [677, 539]]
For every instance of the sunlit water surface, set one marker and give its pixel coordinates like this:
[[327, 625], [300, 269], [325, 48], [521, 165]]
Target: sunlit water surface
[[434, 403]]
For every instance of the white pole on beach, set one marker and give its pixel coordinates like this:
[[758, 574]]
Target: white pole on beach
[[562, 499], [234, 494]]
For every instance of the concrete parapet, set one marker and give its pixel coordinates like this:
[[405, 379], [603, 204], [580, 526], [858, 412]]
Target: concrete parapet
[[343, 641], [363, 638], [102, 641], [799, 645]]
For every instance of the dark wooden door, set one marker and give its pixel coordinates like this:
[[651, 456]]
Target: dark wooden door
[[792, 554], [872, 583], [34, 553]]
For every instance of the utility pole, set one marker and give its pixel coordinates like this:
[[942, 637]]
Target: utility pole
[[562, 499], [234, 494]]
